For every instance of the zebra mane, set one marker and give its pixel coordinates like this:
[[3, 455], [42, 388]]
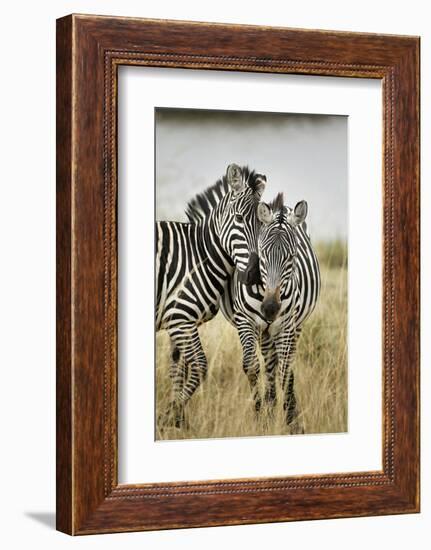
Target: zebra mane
[[203, 203], [277, 203], [279, 209]]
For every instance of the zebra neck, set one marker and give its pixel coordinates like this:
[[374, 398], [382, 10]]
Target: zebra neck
[[210, 247]]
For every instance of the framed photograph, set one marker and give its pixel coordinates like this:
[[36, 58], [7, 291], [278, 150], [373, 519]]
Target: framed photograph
[[237, 274]]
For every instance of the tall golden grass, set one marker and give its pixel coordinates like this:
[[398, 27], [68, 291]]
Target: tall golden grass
[[223, 406]]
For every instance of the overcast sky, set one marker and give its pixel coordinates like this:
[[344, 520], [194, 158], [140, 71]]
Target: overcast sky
[[305, 156]]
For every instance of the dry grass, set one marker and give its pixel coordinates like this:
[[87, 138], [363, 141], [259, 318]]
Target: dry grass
[[223, 407]]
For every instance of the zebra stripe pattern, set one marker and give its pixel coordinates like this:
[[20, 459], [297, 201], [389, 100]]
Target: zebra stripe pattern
[[194, 261], [272, 313]]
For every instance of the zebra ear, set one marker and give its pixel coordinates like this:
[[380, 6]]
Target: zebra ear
[[260, 185], [264, 213], [299, 213], [234, 177]]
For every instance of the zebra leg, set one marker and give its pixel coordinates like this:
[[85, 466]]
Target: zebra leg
[[191, 367], [269, 353], [250, 362], [178, 373], [286, 348]]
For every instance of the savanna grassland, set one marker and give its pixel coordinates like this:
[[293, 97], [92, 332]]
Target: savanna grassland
[[223, 407]]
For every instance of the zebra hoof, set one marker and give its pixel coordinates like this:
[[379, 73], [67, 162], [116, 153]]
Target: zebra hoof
[[296, 427], [270, 411], [270, 401], [174, 416], [180, 422], [270, 398]]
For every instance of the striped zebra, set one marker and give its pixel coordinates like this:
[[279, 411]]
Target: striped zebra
[[193, 262], [273, 312]]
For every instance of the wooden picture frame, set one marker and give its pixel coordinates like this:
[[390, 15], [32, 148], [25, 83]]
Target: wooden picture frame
[[89, 51]]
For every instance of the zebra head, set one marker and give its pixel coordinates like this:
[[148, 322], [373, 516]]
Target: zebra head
[[239, 223], [230, 209], [278, 247]]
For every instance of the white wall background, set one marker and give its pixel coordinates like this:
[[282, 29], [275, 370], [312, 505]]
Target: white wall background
[[27, 309]]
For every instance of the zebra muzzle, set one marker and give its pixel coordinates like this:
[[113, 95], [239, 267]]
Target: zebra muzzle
[[271, 304], [251, 276]]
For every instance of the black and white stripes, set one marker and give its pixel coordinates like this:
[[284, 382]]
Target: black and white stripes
[[271, 314], [193, 262]]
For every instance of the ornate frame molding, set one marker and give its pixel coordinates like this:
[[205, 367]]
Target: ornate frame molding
[[90, 49]]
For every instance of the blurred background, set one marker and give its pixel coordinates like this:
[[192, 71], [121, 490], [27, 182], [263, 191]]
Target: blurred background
[[305, 156]]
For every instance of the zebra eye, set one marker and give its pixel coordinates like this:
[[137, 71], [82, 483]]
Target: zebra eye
[[238, 218]]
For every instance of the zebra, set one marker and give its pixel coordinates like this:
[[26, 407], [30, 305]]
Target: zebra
[[194, 261], [272, 313]]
